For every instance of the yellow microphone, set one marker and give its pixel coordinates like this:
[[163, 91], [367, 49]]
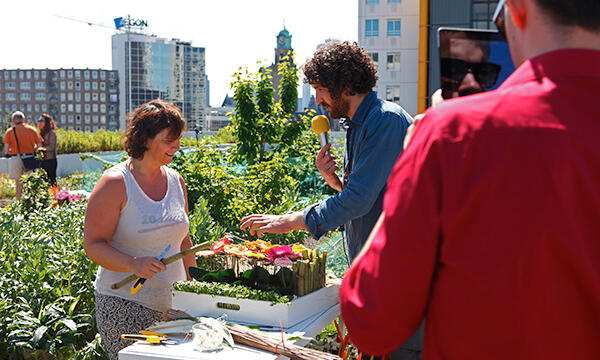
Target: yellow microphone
[[320, 125]]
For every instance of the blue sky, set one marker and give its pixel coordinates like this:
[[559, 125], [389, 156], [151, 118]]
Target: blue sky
[[234, 32]]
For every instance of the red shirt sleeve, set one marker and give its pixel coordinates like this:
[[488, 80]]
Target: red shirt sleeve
[[384, 294]]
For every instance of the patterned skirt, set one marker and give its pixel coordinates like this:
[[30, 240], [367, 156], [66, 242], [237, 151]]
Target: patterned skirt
[[116, 316]]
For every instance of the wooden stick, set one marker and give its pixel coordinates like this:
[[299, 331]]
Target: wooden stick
[[256, 340], [166, 261]]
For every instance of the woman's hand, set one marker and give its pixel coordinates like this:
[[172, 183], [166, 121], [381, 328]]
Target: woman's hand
[[146, 267]]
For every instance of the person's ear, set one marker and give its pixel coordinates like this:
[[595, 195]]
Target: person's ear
[[517, 10]]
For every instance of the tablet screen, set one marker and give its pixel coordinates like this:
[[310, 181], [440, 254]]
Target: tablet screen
[[472, 61]]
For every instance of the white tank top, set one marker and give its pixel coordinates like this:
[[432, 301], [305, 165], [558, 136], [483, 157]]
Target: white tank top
[[145, 228]]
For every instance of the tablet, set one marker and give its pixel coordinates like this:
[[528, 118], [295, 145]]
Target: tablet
[[472, 61]]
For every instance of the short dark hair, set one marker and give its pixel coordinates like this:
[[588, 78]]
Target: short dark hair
[[148, 120], [583, 13], [340, 66]]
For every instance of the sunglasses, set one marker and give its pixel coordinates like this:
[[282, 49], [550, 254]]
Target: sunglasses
[[485, 73], [498, 18]]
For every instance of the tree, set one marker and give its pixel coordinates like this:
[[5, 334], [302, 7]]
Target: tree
[[260, 123]]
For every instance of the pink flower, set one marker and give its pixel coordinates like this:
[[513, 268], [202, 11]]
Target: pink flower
[[62, 195], [73, 198], [281, 251]]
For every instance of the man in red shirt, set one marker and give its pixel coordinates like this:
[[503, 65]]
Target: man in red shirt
[[491, 222]]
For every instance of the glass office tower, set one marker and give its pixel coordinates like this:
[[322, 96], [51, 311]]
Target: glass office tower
[[150, 67]]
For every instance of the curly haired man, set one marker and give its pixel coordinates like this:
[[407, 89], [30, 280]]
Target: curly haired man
[[343, 76]]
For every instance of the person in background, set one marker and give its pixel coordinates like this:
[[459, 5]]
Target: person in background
[[21, 139], [490, 223], [48, 132], [137, 209]]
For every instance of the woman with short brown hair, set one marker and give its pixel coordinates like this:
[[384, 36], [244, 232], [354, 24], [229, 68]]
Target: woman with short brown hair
[[138, 210]]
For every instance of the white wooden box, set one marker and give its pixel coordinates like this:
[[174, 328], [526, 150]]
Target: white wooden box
[[257, 312]]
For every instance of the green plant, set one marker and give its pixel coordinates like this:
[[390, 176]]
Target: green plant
[[7, 187], [72, 141], [230, 290]]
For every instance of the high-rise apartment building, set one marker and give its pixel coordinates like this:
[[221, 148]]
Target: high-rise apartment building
[[77, 99], [389, 31], [150, 67]]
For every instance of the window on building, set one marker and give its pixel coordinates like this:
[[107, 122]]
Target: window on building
[[40, 96], [25, 97], [103, 119], [63, 97], [102, 86], [78, 108], [102, 97], [86, 74], [95, 96], [375, 57], [62, 74], [10, 85], [21, 75], [481, 14], [393, 62], [28, 73], [77, 96], [95, 119], [70, 85], [36, 74], [70, 96], [70, 74], [87, 108], [6, 75], [94, 74], [13, 74], [372, 27], [372, 1], [87, 119], [393, 28], [44, 108], [10, 97], [25, 85], [392, 93], [63, 107], [77, 74], [86, 85], [86, 97], [63, 119], [102, 75], [28, 108], [77, 85], [102, 108], [43, 74], [95, 85], [14, 107], [40, 85], [36, 107], [22, 107], [94, 107]]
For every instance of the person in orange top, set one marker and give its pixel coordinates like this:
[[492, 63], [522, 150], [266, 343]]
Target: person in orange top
[[29, 140]]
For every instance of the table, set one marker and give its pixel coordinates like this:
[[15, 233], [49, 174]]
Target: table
[[184, 351]]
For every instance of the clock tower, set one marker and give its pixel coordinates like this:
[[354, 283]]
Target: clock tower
[[283, 49]]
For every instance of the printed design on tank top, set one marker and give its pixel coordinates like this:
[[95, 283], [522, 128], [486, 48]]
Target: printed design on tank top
[[165, 221], [167, 212]]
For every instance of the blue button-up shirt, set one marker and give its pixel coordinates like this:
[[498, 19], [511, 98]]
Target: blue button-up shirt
[[374, 141]]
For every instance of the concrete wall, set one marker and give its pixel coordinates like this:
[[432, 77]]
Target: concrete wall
[[69, 164]]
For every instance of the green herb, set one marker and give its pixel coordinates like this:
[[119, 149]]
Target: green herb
[[230, 290]]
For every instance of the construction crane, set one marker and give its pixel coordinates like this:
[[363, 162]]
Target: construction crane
[[90, 23], [122, 24]]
